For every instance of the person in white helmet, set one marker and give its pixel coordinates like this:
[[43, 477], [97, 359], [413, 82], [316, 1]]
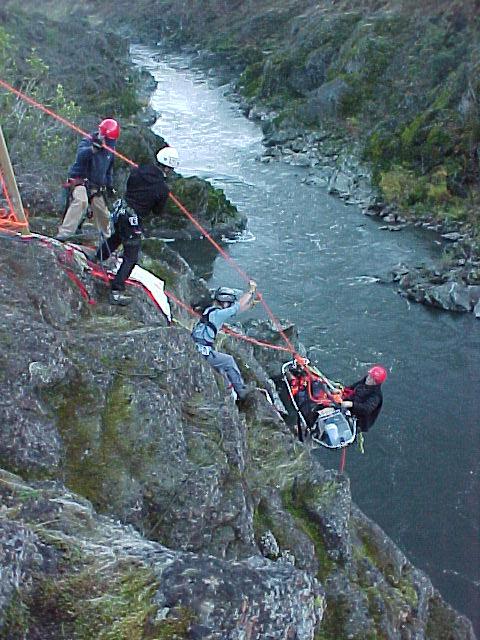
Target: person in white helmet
[[146, 192]]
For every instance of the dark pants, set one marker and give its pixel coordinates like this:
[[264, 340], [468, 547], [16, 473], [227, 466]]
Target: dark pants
[[128, 235]]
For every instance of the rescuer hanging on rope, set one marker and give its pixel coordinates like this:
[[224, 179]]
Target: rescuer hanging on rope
[[225, 306], [146, 192], [89, 178], [364, 398], [331, 414]]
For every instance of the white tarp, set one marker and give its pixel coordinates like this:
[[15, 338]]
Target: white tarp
[[154, 285]]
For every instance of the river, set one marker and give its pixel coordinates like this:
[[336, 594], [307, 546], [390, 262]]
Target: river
[[317, 262]]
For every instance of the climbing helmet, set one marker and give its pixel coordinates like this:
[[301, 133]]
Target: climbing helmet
[[168, 156], [109, 128], [225, 294], [378, 373]]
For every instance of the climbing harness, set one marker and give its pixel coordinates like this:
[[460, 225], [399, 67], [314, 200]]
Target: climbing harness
[[205, 320]]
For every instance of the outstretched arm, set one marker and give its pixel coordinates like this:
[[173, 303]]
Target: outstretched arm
[[246, 301]]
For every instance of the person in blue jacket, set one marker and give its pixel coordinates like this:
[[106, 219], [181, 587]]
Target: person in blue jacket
[[90, 176], [225, 306]]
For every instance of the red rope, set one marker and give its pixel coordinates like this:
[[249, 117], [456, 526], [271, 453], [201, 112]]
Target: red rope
[[182, 208], [83, 290], [59, 118], [240, 271], [102, 274], [342, 460]]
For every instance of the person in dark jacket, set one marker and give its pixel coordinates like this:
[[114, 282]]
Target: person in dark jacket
[[90, 176], [364, 398], [146, 193]]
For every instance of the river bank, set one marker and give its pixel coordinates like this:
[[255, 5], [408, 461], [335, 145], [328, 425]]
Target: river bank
[[329, 84], [333, 162]]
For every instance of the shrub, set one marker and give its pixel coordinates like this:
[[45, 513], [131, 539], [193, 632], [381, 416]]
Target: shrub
[[402, 186]]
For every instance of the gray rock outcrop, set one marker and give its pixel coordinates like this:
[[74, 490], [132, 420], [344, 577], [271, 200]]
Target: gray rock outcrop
[[137, 500]]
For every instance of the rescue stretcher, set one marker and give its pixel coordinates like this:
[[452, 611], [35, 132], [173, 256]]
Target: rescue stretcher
[[327, 426]]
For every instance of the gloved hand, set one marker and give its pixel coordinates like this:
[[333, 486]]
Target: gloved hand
[[111, 191], [97, 143], [252, 286]]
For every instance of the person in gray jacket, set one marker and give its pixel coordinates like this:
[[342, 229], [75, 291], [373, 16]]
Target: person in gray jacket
[[225, 306]]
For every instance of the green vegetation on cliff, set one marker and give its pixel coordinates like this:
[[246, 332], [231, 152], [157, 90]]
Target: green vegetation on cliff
[[80, 68], [41, 57]]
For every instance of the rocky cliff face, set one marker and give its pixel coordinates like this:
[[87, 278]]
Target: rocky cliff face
[[137, 501]]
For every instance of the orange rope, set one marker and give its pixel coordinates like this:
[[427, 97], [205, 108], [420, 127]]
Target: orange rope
[[182, 208], [8, 219]]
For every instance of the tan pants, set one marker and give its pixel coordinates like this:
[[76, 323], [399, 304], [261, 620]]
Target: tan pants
[[78, 207]]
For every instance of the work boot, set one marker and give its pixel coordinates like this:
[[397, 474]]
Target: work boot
[[245, 396], [120, 298], [243, 392]]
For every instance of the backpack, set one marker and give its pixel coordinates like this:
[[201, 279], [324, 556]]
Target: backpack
[[205, 320]]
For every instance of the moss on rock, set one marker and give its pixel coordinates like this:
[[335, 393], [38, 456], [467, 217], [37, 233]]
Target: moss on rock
[[97, 434], [294, 500], [117, 604], [202, 200]]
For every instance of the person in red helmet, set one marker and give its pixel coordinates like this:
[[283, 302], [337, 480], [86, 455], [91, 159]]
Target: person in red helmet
[[89, 178], [109, 129], [364, 398]]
